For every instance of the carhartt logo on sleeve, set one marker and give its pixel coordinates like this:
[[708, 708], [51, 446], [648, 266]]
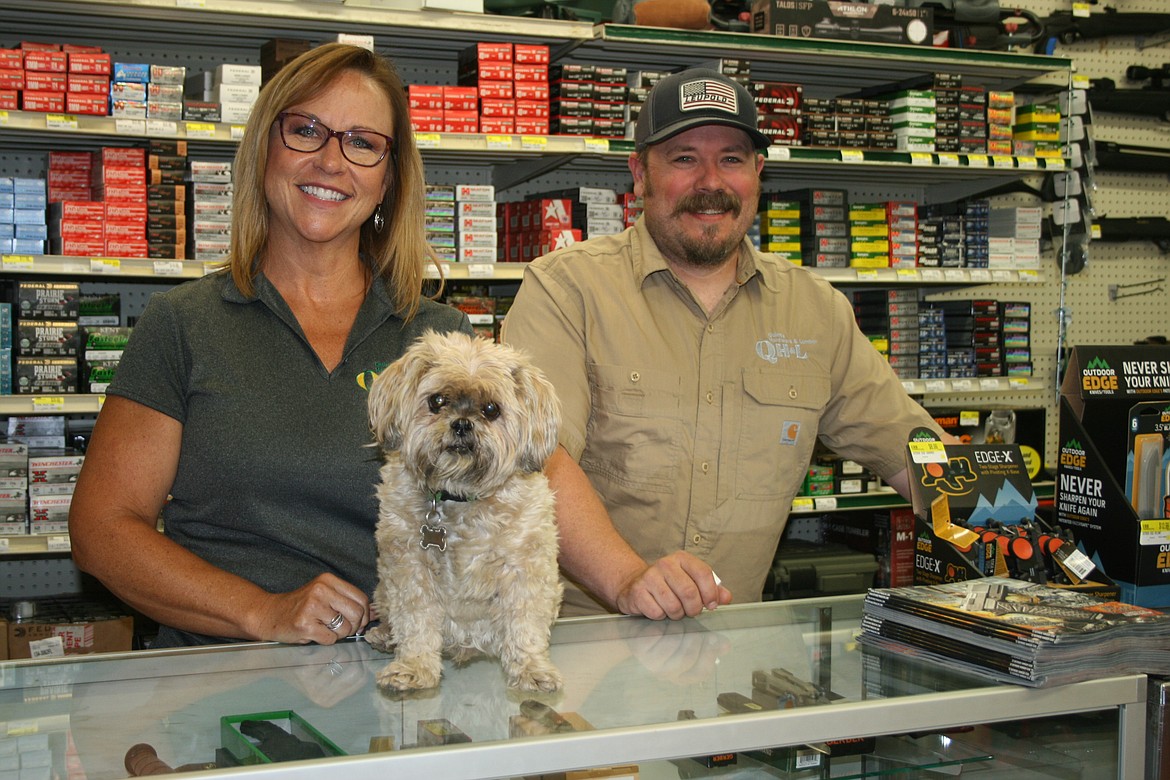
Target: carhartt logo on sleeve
[[707, 93]]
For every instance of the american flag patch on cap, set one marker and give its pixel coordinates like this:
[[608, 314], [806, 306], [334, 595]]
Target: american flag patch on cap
[[707, 93]]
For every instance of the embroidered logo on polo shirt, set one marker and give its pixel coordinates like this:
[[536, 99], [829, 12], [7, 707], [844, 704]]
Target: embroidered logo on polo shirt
[[777, 346], [365, 379]]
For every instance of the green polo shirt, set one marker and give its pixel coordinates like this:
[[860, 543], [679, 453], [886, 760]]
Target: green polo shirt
[[275, 480]]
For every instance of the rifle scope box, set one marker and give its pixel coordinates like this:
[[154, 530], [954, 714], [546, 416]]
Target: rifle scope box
[[843, 21]]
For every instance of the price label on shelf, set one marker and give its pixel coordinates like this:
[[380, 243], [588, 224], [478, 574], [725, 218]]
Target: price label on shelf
[[427, 140], [931, 274], [979, 275], [988, 383], [977, 161], [955, 275], [907, 274], [1018, 382], [937, 386], [105, 265], [58, 544], [3, 117], [236, 133], [962, 386], [1054, 164], [3, 544], [130, 126], [499, 141], [200, 130], [1028, 163], [825, 503], [921, 158], [167, 267], [480, 270], [538, 142], [60, 121], [867, 275], [1003, 276], [779, 153], [852, 156], [161, 127], [802, 504], [948, 159], [1002, 161], [16, 262], [1028, 276], [597, 145], [48, 403], [910, 386]]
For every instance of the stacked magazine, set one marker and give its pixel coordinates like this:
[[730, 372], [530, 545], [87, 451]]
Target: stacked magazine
[[1016, 631]]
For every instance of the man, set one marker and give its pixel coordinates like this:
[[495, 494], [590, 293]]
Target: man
[[695, 373]]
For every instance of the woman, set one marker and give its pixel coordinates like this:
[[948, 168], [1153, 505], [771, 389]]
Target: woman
[[238, 411]]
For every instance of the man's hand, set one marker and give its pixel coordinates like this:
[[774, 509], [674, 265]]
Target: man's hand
[[675, 586]]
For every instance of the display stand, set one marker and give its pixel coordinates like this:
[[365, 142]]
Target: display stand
[[1115, 405]]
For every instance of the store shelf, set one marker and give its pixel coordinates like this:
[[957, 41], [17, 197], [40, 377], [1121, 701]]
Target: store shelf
[[826, 68], [880, 499], [246, 24], [46, 544], [164, 270]]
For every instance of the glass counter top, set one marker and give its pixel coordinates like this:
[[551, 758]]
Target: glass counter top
[[649, 690]]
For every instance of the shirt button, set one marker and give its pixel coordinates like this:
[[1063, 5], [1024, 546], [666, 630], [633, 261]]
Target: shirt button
[[696, 538], [635, 376], [710, 327], [705, 467], [710, 397], [792, 393]]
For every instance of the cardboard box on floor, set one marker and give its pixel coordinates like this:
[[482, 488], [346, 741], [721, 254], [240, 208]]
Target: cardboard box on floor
[[957, 489], [1109, 397]]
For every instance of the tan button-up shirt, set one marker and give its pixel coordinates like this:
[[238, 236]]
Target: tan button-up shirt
[[697, 430]]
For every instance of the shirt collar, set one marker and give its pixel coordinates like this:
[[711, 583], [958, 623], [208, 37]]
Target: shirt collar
[[648, 260]]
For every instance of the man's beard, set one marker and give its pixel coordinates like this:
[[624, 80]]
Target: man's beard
[[708, 250]]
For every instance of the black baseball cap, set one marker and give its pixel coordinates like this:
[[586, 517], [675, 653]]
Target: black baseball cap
[[692, 98]]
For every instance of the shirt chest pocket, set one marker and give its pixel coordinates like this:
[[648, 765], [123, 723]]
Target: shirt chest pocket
[[634, 431], [778, 423]]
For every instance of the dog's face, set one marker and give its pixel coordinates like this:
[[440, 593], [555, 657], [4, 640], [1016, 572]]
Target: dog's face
[[464, 413]]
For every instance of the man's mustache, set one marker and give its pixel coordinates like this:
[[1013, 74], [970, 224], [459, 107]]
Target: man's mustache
[[710, 201]]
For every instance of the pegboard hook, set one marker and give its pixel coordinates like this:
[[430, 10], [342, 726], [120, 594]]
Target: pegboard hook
[[1152, 285]]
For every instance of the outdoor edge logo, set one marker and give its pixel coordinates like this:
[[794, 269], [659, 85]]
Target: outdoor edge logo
[[1072, 455], [1098, 378]]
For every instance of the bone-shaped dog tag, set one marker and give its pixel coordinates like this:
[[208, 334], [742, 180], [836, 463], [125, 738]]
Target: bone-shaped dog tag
[[434, 536]]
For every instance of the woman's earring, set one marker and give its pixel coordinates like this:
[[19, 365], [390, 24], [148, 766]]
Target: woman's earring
[[379, 220]]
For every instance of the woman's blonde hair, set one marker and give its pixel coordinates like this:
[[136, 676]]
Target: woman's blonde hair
[[399, 253]]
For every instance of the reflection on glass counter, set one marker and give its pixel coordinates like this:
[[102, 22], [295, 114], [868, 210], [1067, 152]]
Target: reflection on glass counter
[[780, 687]]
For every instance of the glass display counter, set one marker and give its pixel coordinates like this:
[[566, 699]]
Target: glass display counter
[[640, 695]]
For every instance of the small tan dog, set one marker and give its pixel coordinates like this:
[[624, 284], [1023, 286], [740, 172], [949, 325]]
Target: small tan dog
[[467, 541]]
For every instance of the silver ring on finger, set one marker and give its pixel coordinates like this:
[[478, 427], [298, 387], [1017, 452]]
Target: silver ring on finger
[[336, 622]]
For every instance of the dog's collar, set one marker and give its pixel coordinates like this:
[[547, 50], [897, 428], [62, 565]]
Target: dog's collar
[[432, 530], [443, 495]]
